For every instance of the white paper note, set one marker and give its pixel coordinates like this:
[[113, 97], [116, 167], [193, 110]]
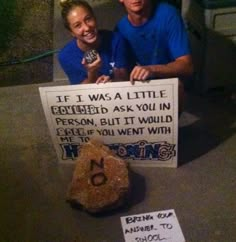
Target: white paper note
[[155, 226]]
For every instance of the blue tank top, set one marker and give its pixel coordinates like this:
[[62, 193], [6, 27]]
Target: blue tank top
[[113, 52]]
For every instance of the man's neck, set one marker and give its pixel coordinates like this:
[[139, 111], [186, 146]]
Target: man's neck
[[137, 20], [141, 17]]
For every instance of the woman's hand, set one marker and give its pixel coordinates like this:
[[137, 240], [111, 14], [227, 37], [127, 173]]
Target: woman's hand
[[103, 79], [92, 69], [94, 66]]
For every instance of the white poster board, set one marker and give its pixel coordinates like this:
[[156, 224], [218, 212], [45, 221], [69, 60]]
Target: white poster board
[[155, 226], [138, 122]]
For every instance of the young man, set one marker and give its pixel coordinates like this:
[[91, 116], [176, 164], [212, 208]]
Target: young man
[[158, 39]]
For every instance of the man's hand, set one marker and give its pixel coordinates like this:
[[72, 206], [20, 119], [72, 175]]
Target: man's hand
[[140, 73]]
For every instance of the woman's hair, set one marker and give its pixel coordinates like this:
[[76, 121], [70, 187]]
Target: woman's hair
[[68, 5]]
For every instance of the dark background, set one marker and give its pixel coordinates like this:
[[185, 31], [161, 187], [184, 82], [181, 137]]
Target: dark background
[[25, 32]]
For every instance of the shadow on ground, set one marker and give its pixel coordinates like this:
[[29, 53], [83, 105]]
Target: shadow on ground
[[207, 122]]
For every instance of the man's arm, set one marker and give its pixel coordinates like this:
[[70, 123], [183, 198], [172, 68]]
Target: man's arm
[[182, 67]]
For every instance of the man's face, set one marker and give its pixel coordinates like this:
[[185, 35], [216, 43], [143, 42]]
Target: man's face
[[135, 6]]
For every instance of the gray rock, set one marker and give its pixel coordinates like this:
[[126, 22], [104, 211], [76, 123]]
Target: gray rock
[[90, 56], [100, 180]]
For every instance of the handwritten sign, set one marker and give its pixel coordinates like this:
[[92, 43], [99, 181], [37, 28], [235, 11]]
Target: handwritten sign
[[155, 226], [138, 122]]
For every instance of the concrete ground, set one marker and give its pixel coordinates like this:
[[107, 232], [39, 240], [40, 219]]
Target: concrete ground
[[33, 185]]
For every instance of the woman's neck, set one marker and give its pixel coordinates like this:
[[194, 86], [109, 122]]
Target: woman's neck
[[85, 46]]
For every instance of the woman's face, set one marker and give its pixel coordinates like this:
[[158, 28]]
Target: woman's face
[[83, 25]]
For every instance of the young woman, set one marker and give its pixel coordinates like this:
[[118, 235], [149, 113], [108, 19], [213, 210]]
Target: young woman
[[109, 48]]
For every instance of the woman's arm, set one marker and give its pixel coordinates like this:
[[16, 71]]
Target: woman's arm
[[121, 74], [92, 70]]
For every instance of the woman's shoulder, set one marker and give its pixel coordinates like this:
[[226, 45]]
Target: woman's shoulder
[[110, 36], [68, 49]]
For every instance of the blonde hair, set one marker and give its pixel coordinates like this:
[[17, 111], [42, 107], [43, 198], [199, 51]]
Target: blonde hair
[[68, 5]]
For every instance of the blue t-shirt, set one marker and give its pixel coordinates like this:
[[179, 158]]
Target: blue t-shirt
[[160, 40], [113, 53]]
